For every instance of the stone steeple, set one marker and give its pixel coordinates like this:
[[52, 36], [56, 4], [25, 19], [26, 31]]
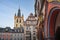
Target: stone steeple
[[19, 13], [15, 14], [18, 19]]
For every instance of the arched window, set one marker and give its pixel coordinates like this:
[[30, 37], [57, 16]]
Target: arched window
[[20, 20], [17, 20]]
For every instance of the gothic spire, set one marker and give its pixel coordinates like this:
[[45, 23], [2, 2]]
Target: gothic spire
[[19, 13], [22, 15], [15, 14]]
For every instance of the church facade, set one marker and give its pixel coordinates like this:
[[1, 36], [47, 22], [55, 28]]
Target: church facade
[[18, 19]]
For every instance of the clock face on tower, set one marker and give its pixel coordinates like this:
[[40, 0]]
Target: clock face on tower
[[53, 0]]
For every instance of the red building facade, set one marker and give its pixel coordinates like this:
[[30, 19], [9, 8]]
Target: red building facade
[[49, 11], [52, 17]]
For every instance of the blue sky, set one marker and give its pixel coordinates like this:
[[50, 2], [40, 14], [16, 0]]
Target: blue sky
[[9, 7]]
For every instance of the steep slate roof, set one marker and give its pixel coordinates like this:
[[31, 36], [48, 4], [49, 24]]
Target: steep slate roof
[[9, 30]]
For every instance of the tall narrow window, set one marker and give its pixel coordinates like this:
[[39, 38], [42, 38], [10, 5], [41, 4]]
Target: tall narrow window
[[20, 20], [17, 20]]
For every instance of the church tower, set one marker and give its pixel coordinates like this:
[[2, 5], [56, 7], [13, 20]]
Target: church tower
[[18, 19]]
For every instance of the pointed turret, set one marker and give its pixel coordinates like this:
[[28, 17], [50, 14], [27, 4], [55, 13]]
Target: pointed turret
[[18, 19], [15, 14], [22, 15], [19, 13]]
